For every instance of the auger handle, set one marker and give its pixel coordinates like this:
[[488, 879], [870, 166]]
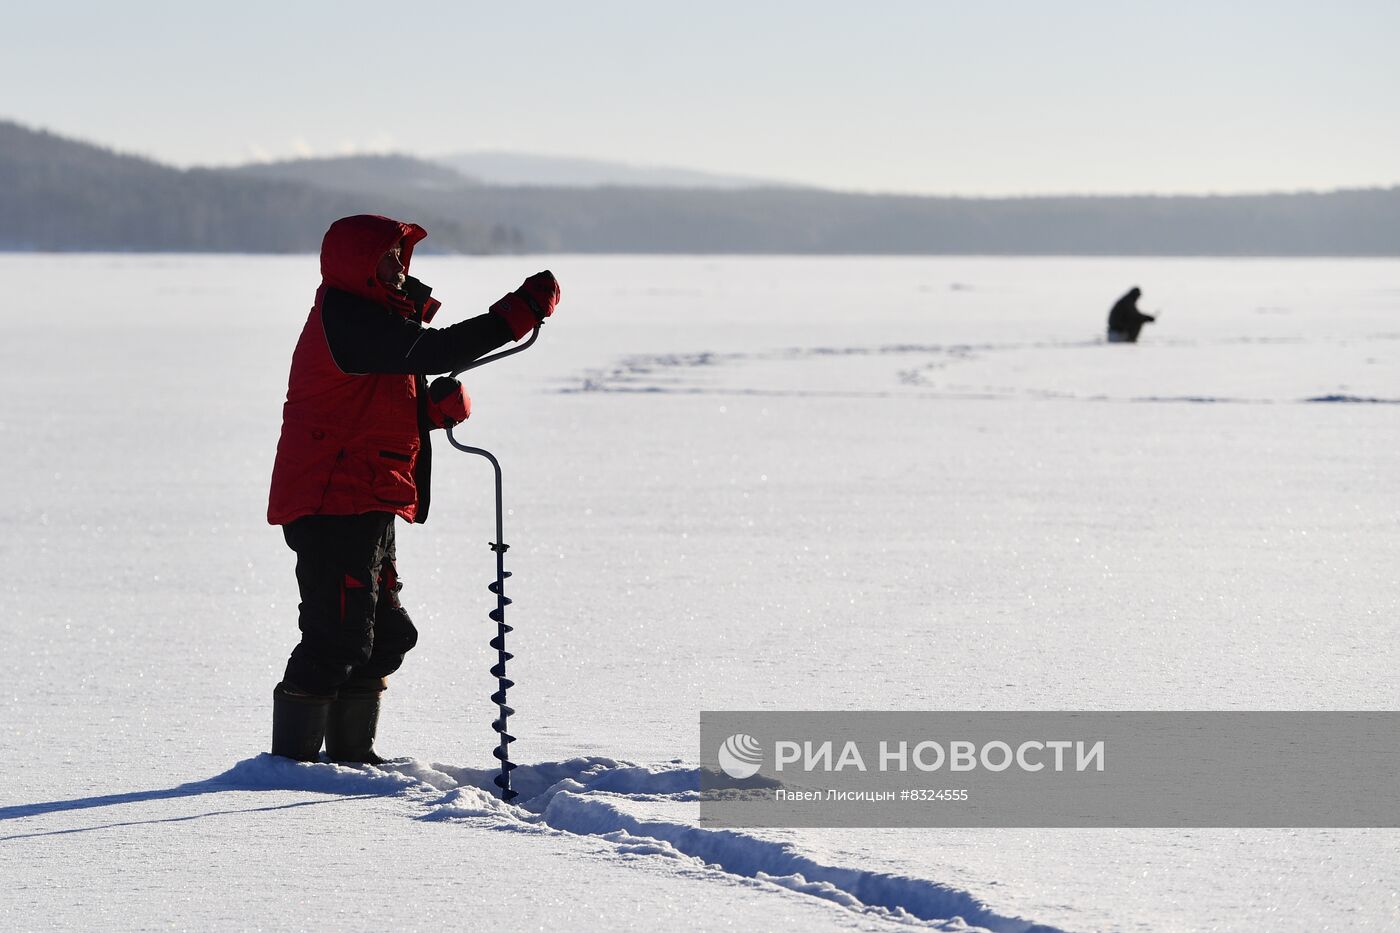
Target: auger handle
[[503, 354], [483, 362]]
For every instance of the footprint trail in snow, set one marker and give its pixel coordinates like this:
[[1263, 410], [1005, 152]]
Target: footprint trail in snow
[[589, 797]]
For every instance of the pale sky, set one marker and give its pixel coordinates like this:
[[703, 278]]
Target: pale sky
[[966, 97]]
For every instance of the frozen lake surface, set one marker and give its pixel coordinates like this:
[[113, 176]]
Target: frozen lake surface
[[734, 483]]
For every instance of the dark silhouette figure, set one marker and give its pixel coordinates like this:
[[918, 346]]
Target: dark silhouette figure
[[1125, 320]]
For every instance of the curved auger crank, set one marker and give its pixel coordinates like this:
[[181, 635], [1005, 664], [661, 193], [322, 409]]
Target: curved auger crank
[[498, 615]]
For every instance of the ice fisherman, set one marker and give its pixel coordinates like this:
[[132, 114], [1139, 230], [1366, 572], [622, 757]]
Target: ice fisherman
[[1125, 320], [354, 454]]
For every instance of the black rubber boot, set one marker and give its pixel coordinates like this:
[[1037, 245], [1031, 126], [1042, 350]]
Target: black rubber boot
[[352, 722], [298, 723]]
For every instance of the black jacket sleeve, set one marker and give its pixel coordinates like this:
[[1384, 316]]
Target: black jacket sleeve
[[366, 338]]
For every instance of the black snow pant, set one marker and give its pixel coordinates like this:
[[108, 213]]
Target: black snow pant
[[353, 627]]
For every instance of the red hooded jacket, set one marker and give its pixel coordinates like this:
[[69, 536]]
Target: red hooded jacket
[[356, 420]]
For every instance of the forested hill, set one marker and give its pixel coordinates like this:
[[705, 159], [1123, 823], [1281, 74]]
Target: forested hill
[[58, 194]]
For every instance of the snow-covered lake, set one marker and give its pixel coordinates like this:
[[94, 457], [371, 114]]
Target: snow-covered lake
[[733, 483]]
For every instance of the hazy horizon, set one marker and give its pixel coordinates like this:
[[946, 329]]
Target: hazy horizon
[[1006, 100], [444, 159]]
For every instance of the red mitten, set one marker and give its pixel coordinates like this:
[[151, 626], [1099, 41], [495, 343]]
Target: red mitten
[[450, 402], [541, 290], [526, 307]]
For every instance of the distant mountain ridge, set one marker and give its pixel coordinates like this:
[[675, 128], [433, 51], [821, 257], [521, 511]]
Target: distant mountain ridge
[[361, 173], [518, 169], [59, 194]]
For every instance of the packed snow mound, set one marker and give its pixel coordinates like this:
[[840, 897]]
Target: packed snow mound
[[593, 773], [273, 772], [588, 796]]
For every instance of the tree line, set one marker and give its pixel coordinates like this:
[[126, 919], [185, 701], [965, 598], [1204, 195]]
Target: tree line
[[59, 194]]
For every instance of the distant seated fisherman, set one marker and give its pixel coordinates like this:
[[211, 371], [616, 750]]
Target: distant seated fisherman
[[1125, 320]]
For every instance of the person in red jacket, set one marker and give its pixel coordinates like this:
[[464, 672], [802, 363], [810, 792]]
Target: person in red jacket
[[354, 453]]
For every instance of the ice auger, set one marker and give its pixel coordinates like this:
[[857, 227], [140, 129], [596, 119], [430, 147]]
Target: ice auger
[[498, 615]]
